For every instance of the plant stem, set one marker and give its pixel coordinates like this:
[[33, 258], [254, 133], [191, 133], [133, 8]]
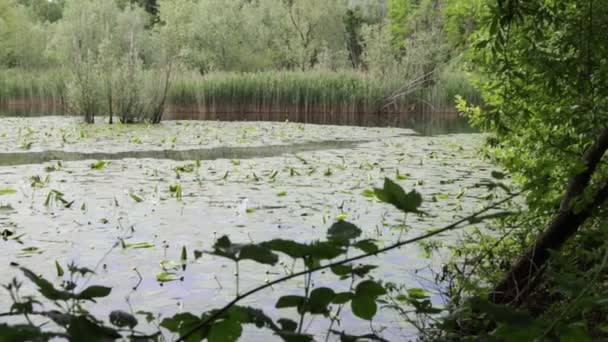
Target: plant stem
[[433, 233]]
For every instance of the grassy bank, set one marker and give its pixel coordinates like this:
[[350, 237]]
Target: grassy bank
[[216, 94]]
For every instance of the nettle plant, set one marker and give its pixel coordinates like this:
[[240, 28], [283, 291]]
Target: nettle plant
[[364, 296]]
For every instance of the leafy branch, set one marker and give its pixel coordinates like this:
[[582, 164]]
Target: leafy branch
[[392, 194]]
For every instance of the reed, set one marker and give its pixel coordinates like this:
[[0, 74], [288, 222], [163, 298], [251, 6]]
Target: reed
[[237, 95]]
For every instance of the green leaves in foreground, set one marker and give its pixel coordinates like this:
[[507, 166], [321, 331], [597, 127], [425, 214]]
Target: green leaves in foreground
[[47, 289], [394, 194], [363, 303], [236, 251], [228, 327]]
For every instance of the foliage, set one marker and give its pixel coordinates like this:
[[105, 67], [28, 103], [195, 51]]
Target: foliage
[[539, 66], [225, 324]]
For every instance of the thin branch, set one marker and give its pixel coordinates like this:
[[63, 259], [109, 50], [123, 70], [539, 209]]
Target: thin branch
[[433, 233]]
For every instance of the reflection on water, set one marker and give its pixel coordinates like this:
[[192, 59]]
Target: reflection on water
[[426, 122]]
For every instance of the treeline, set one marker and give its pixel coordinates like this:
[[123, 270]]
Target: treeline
[[124, 57]]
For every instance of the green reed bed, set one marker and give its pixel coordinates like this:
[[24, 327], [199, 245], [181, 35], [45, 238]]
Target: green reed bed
[[312, 92], [31, 85], [280, 91]]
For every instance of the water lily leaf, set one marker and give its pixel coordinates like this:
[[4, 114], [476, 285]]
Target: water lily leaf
[[100, 164], [7, 192], [170, 265], [139, 245], [136, 198], [369, 193], [165, 277], [342, 217], [394, 194]]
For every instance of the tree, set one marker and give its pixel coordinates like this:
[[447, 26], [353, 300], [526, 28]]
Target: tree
[[544, 79], [113, 64]]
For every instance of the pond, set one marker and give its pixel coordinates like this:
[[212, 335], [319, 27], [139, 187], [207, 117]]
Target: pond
[[252, 181]]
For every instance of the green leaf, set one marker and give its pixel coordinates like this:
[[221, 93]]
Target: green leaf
[[289, 302], [325, 250], [287, 324], [369, 193], [100, 164], [45, 288], [343, 232], [364, 307], [227, 330], [59, 269], [259, 254], [417, 293], [342, 270], [319, 299], [394, 194], [498, 175], [17, 333], [136, 198], [82, 329], [165, 277], [184, 323], [367, 246], [123, 319], [370, 288], [291, 248], [576, 332], [138, 245], [343, 297], [184, 256], [7, 192], [500, 313], [341, 217], [92, 292], [170, 265]]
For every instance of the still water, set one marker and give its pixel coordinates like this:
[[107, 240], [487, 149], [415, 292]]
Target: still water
[[253, 181]]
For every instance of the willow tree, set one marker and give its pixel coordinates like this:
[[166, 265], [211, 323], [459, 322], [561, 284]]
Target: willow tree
[[114, 64]]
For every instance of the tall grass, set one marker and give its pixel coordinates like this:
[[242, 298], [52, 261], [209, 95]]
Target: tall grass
[[237, 95], [32, 87]]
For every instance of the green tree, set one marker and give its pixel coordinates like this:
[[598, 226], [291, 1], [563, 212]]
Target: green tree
[[541, 67]]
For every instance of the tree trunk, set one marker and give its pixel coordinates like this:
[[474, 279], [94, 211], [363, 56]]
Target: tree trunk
[[519, 281]]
